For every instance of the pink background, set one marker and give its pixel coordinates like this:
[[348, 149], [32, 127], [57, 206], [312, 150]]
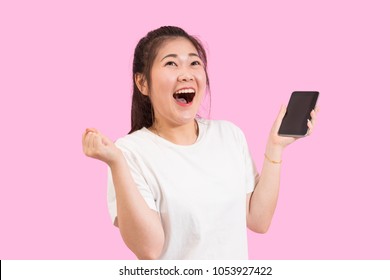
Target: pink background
[[66, 66]]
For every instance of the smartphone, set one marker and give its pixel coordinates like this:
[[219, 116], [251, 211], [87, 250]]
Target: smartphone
[[294, 122]]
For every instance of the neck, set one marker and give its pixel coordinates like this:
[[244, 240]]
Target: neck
[[186, 134]]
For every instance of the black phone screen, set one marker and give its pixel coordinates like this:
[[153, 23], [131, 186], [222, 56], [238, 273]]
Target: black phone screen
[[294, 122]]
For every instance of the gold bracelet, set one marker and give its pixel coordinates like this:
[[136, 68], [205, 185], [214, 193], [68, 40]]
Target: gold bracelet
[[272, 161]]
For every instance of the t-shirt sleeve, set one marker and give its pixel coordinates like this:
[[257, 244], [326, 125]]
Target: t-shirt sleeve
[[251, 174], [139, 179]]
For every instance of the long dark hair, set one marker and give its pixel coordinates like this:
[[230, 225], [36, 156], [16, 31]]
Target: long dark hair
[[142, 114]]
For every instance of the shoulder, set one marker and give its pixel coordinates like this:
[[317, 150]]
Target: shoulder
[[225, 130], [225, 126], [132, 141]]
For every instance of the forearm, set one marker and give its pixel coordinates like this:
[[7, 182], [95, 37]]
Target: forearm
[[264, 198], [139, 225]]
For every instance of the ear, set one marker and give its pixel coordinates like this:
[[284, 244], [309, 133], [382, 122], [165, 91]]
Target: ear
[[141, 83]]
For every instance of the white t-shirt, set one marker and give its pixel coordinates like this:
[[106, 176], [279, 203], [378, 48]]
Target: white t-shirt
[[199, 190]]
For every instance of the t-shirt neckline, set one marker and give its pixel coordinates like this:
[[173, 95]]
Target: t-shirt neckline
[[160, 139]]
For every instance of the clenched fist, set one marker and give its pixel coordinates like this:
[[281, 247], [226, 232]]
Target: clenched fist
[[96, 145]]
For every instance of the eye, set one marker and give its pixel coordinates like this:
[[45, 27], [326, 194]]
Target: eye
[[196, 62], [170, 63]]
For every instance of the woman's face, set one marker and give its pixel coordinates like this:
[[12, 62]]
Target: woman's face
[[178, 82]]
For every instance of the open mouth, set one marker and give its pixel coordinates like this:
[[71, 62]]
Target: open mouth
[[184, 96]]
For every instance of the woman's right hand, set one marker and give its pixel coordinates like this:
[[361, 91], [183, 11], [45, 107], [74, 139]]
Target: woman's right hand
[[96, 145]]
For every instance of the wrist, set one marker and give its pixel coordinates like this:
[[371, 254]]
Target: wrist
[[274, 152], [116, 160]]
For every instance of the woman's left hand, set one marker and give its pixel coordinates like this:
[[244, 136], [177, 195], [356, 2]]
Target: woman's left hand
[[283, 141]]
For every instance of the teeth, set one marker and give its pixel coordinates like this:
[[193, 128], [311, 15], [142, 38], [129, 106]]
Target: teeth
[[188, 90]]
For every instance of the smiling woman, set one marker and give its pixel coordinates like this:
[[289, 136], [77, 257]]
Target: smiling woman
[[180, 186], [178, 54], [175, 87]]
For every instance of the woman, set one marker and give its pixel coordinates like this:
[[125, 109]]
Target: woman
[[183, 187]]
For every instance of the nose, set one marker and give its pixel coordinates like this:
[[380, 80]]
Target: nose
[[185, 77]]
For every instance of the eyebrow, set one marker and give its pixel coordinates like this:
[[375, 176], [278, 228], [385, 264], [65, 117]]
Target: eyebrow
[[175, 55]]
